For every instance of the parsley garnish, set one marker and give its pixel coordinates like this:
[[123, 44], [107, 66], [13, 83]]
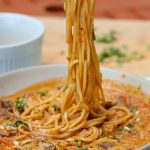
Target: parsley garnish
[[78, 142], [148, 47], [11, 125], [119, 55], [14, 125], [107, 38], [127, 128], [42, 92], [20, 103], [56, 107], [111, 52], [118, 137], [19, 122], [134, 110], [119, 100]]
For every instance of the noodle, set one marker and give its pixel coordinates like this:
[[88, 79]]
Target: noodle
[[83, 104], [77, 114]]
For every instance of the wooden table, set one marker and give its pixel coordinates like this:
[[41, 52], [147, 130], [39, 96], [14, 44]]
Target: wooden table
[[134, 34]]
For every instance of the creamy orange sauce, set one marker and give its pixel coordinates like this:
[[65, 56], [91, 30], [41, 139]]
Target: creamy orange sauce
[[130, 135]]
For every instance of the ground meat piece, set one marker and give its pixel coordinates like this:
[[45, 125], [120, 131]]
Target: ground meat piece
[[6, 109], [4, 114], [105, 146], [6, 104]]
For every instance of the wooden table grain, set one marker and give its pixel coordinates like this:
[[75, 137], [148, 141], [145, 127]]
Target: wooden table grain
[[134, 34]]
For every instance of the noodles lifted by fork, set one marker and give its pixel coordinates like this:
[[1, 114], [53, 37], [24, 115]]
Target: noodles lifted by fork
[[82, 100]]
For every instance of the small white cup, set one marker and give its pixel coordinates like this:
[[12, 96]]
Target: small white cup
[[20, 41]]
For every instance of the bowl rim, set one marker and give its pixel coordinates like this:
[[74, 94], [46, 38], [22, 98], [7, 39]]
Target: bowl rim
[[40, 73], [140, 78], [26, 17]]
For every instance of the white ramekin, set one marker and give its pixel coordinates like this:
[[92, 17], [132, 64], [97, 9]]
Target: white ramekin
[[20, 41]]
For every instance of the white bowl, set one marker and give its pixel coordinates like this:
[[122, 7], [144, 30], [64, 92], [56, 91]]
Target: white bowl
[[16, 80], [20, 41]]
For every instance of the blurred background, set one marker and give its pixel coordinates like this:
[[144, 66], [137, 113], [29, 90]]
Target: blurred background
[[115, 9], [122, 29]]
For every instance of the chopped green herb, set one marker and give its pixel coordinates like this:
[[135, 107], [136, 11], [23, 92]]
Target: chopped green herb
[[127, 128], [82, 148], [11, 125], [56, 107], [118, 137], [130, 125], [134, 110], [14, 125], [107, 38], [120, 129], [119, 100], [148, 47], [42, 92], [119, 55], [20, 103], [78, 143], [111, 52], [19, 122]]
